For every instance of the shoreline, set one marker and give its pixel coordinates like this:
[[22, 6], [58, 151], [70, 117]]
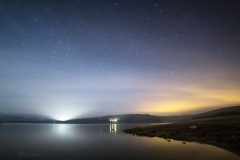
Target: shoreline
[[223, 132]]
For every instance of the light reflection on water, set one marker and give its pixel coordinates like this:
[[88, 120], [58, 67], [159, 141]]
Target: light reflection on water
[[113, 128], [62, 128], [81, 141]]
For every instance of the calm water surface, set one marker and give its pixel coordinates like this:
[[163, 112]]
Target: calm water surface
[[96, 141]]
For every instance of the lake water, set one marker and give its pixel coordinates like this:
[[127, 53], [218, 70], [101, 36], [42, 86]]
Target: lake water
[[96, 141]]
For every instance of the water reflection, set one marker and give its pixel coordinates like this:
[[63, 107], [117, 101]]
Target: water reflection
[[80, 141], [62, 129], [53, 127], [113, 128]]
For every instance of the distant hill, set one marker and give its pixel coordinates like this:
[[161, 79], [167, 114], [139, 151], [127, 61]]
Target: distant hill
[[25, 115], [176, 118], [222, 112], [23, 118], [146, 118], [124, 118]]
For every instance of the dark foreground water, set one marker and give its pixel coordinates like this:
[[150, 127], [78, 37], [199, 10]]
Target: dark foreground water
[[100, 141]]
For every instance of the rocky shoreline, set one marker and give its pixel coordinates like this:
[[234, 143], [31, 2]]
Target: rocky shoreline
[[221, 132]]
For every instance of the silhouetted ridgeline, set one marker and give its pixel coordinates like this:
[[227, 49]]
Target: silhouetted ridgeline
[[146, 118], [124, 118], [222, 112], [85, 121], [23, 118], [19, 119]]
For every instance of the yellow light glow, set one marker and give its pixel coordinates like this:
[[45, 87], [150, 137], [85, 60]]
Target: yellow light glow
[[186, 98]]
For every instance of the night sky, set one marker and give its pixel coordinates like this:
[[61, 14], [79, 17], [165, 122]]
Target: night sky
[[85, 58]]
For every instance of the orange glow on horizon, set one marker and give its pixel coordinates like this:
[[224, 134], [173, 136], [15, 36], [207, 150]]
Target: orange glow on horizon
[[187, 98]]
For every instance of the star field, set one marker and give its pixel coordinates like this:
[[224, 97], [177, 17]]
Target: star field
[[83, 58]]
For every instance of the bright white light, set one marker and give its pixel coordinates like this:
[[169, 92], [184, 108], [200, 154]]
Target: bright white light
[[62, 119], [113, 120], [64, 113], [61, 114]]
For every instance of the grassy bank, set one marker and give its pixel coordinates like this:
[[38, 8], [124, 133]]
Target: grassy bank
[[222, 132]]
